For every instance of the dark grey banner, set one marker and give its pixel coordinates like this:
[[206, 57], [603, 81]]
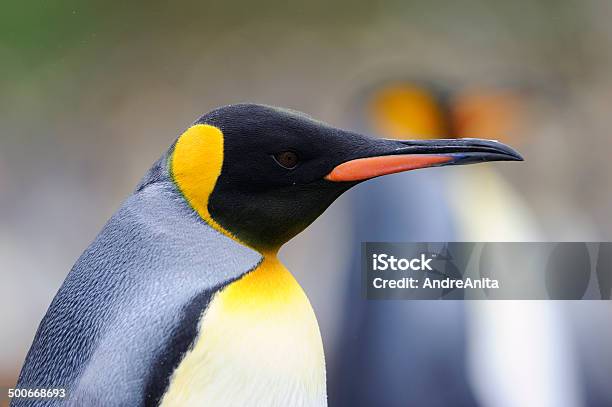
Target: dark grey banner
[[487, 271]]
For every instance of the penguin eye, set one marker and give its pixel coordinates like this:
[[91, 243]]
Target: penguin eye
[[287, 159]]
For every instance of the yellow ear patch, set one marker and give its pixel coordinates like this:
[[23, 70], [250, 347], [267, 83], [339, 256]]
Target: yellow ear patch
[[195, 166]]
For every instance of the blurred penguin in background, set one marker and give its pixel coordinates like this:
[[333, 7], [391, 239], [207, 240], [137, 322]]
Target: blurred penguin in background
[[398, 353], [511, 344], [441, 353]]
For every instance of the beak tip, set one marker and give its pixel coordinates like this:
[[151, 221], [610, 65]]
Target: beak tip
[[513, 155], [503, 152]]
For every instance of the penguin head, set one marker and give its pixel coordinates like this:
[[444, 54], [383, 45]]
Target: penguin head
[[262, 174]]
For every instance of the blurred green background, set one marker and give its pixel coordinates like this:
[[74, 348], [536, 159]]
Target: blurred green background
[[91, 94]]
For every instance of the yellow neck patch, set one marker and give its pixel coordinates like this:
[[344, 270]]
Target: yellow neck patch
[[258, 345], [269, 284]]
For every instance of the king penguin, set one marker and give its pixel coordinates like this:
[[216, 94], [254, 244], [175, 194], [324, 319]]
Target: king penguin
[[181, 300]]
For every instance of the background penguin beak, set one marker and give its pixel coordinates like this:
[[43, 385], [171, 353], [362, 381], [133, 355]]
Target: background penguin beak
[[414, 154]]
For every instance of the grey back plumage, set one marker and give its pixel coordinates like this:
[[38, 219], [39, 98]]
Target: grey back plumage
[[129, 308]]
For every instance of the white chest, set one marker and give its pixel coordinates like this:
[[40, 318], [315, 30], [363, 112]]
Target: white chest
[[258, 345]]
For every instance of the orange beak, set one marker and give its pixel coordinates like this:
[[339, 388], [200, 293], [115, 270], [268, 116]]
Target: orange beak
[[370, 167], [412, 155]]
